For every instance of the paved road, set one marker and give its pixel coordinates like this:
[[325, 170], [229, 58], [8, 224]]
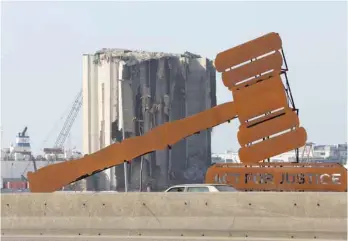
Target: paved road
[[119, 238]]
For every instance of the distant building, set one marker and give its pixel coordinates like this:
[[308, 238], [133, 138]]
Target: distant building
[[126, 93], [325, 151], [342, 151], [227, 157], [308, 153]]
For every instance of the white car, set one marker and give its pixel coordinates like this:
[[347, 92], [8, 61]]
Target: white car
[[201, 188]]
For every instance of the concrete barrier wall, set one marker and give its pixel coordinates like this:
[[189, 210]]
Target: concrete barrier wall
[[266, 215]]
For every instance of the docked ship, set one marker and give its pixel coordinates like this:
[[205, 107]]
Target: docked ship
[[18, 159]]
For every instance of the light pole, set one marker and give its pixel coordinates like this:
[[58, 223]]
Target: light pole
[[1, 132]]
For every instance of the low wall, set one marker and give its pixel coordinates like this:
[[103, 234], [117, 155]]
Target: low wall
[[264, 215]]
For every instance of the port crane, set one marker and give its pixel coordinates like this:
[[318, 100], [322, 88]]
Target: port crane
[[58, 146], [64, 132]]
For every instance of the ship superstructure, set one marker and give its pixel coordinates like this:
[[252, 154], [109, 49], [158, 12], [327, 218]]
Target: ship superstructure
[[21, 150], [18, 159]]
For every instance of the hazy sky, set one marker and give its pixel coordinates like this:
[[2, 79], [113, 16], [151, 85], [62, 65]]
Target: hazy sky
[[43, 42]]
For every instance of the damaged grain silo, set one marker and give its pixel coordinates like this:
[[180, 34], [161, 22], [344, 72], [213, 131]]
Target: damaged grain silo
[[126, 93]]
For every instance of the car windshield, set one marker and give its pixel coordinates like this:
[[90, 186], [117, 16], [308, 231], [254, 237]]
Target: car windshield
[[224, 188], [176, 189]]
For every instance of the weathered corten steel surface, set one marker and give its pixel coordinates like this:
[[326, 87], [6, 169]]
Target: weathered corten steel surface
[[268, 63], [247, 133], [280, 176], [260, 98], [269, 126], [247, 51], [237, 215], [273, 146], [252, 71], [47, 180]]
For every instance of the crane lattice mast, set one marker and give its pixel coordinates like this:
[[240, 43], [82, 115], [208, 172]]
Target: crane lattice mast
[[69, 121]]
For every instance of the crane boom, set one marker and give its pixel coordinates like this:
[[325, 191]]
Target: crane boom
[[69, 121]]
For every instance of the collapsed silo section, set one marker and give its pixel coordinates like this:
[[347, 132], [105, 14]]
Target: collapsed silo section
[[127, 93]]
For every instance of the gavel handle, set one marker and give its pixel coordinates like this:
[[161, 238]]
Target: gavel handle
[[54, 177]]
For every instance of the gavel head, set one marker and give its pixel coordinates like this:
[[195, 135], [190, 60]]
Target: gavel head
[[269, 126]]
